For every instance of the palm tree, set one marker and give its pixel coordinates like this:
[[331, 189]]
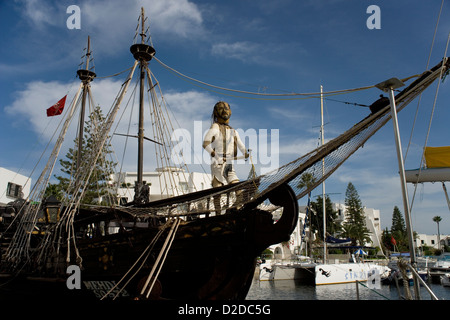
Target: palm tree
[[438, 219], [307, 180]]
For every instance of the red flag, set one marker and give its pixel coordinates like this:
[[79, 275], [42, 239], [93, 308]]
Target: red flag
[[57, 108], [393, 241]]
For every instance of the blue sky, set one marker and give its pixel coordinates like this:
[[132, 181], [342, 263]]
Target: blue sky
[[259, 46]]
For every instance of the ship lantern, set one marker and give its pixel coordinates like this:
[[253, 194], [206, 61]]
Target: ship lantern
[[51, 207]]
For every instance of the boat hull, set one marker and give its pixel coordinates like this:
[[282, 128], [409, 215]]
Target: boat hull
[[217, 269], [198, 267], [321, 274], [346, 272], [302, 272], [211, 258]]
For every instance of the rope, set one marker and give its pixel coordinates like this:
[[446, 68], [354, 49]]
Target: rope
[[428, 63], [160, 259], [311, 94], [373, 290], [429, 124], [115, 74], [146, 252], [132, 97], [402, 264], [446, 194]]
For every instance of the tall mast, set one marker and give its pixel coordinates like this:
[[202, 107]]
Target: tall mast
[[143, 53], [86, 76], [323, 183]]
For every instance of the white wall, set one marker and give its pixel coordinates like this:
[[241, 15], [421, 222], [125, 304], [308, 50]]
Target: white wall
[[164, 182], [11, 178], [432, 240]]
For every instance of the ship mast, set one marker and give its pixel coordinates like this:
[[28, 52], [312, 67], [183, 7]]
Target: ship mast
[[86, 76], [143, 53]]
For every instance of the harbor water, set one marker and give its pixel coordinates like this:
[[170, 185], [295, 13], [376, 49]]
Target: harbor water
[[293, 290]]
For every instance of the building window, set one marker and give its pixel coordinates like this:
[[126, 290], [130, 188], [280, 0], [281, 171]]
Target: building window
[[432, 241], [184, 187], [14, 190]]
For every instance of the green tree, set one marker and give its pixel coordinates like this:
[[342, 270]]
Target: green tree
[[438, 219], [53, 189], [97, 186], [355, 226], [398, 223], [386, 240], [398, 230], [307, 180], [317, 221]]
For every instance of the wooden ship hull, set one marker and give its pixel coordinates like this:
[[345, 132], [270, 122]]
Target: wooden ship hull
[[210, 258]]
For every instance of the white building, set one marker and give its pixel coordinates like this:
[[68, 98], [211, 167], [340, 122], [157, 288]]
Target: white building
[[426, 240], [164, 183], [373, 222], [13, 186]]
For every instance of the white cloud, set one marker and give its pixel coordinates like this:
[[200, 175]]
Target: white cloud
[[179, 17], [31, 103], [242, 50], [298, 147], [112, 23], [39, 13], [115, 21], [293, 115], [193, 105]]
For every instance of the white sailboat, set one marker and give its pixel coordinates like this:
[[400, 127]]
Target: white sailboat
[[335, 273], [287, 266]]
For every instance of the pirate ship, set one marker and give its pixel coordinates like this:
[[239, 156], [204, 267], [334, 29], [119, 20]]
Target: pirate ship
[[174, 248]]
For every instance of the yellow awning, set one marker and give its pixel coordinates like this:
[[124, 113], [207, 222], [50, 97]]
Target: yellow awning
[[437, 157]]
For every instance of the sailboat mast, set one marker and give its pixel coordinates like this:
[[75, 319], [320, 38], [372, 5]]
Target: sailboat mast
[[86, 77], [323, 183], [143, 53]]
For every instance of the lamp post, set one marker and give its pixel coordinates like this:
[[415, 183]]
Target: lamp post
[[389, 86]]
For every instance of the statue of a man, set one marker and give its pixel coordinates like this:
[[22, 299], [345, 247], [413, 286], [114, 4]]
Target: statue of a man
[[222, 142]]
